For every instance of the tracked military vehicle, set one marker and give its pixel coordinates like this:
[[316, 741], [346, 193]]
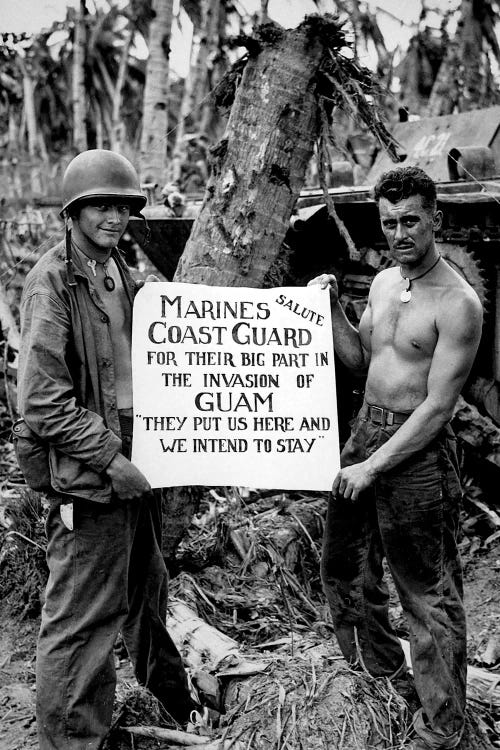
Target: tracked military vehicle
[[462, 154]]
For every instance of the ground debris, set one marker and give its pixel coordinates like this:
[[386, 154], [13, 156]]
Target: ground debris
[[309, 703], [266, 569], [23, 570], [266, 594], [261, 588], [17, 678], [136, 706]]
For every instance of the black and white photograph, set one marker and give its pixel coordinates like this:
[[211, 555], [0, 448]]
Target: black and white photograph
[[249, 374]]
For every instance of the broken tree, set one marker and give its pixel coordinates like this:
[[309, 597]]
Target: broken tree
[[288, 80]]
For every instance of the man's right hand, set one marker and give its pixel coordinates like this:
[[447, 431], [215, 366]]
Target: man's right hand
[[327, 281], [128, 482]]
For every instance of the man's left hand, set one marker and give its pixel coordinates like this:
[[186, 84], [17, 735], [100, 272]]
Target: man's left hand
[[352, 480]]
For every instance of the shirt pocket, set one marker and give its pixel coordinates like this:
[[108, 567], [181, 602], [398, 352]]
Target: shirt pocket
[[69, 475]]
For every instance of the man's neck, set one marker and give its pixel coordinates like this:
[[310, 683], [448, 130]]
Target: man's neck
[[414, 269], [90, 249]]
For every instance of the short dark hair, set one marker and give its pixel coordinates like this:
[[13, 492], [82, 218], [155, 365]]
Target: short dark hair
[[404, 182]]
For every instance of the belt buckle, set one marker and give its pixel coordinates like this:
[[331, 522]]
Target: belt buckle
[[377, 410]]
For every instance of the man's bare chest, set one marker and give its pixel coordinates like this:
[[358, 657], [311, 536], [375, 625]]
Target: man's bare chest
[[406, 327]]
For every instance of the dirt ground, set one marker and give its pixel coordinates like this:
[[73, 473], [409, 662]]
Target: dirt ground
[[482, 601], [17, 648]]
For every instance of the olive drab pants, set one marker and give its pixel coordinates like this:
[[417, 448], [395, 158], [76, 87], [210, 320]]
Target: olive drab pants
[[106, 575], [410, 517]]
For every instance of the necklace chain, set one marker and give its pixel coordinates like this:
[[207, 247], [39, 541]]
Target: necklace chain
[[109, 283], [92, 260], [421, 276], [405, 295]]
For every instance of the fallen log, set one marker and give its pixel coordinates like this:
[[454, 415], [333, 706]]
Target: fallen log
[[186, 740], [310, 697], [171, 735], [203, 646]]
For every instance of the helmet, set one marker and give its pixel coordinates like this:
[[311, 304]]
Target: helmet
[[102, 174]]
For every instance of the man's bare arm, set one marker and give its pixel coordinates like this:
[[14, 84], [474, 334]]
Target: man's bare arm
[[459, 333], [347, 341]]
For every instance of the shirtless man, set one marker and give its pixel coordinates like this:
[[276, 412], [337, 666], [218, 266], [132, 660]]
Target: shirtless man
[[397, 494]]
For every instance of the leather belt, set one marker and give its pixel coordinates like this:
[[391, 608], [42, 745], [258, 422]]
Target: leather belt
[[379, 415]]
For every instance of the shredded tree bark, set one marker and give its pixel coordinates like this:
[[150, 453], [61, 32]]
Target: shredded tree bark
[[259, 165]]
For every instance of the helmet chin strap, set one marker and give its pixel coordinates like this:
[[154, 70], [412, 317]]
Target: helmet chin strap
[[69, 258]]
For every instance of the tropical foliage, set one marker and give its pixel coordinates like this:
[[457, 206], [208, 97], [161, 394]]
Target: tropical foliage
[[82, 82]]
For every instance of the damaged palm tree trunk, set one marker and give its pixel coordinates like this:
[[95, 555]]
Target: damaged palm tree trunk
[[259, 165]]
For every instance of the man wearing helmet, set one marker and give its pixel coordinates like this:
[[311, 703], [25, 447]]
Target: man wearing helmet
[[106, 570]]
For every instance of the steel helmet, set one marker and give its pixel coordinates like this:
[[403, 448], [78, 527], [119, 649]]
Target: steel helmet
[[102, 174]]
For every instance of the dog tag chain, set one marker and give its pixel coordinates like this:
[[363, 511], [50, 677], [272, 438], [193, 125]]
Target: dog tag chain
[[109, 282], [405, 295]]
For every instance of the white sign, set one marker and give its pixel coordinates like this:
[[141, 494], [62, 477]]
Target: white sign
[[234, 386]]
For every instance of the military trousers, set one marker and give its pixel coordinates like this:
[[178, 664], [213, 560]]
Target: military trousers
[[410, 517], [105, 575]]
